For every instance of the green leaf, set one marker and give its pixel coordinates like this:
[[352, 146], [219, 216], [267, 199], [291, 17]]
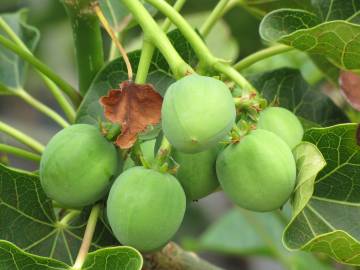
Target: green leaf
[[293, 93], [328, 221], [266, 6], [28, 220], [12, 68], [332, 32], [115, 72], [115, 258], [309, 162]]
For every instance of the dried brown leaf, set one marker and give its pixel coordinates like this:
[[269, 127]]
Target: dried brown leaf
[[134, 107], [350, 87]]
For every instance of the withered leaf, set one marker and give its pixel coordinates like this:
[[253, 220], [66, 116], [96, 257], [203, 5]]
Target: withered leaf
[[350, 87], [134, 107]]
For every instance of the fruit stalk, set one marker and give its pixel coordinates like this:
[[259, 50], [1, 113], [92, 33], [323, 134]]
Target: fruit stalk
[[61, 100], [148, 48], [178, 66], [89, 233], [173, 257], [87, 40], [208, 61]]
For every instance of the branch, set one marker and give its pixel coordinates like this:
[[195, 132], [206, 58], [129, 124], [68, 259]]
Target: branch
[[174, 258]]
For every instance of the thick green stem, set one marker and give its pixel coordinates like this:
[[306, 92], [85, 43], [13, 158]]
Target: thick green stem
[[41, 107], [87, 239], [207, 60], [40, 66], [260, 55], [4, 148], [148, 48], [178, 66], [64, 104], [201, 50], [88, 41], [21, 137], [214, 17]]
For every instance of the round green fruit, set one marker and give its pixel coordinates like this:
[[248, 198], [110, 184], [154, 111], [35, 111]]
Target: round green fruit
[[283, 123], [259, 172], [197, 173], [197, 113], [145, 208], [77, 166]]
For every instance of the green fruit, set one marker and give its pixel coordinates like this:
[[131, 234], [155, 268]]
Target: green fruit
[[77, 165], [145, 208], [283, 123], [197, 113], [259, 172], [197, 172]]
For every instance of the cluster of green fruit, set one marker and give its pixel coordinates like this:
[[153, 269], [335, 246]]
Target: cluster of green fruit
[[145, 207]]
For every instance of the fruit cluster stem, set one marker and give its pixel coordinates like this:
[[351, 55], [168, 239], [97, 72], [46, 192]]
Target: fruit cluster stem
[[148, 48], [173, 257], [157, 36], [207, 61], [87, 239]]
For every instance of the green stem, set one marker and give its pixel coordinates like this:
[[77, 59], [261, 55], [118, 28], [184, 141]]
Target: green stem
[[201, 50], [87, 239], [260, 55], [64, 86], [163, 152], [21, 137], [4, 148], [88, 41], [69, 217], [178, 66], [41, 107], [215, 15], [64, 104], [207, 60], [148, 48]]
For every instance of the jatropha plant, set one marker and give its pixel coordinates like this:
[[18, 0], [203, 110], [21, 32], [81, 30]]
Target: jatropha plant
[[151, 132]]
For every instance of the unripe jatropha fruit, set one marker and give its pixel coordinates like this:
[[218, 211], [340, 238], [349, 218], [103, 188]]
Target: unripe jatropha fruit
[[197, 112], [145, 208], [197, 173], [283, 123], [259, 172], [77, 166]]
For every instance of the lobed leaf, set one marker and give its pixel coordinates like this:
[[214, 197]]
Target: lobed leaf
[[330, 31], [28, 220], [328, 221]]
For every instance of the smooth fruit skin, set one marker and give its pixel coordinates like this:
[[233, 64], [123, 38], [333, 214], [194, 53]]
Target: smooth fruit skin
[[77, 166], [259, 172], [145, 208], [283, 123], [197, 173], [197, 113]]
